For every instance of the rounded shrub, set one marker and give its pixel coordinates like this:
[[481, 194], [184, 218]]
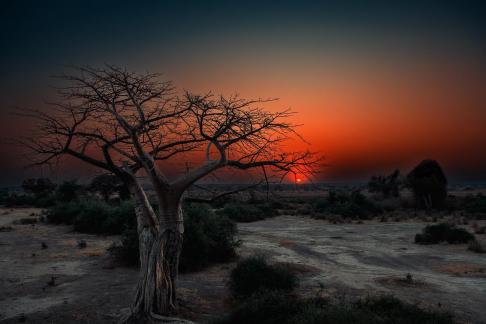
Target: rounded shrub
[[241, 212], [434, 234], [254, 274]]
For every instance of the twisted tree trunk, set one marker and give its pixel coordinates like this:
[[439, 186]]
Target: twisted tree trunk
[[160, 243]]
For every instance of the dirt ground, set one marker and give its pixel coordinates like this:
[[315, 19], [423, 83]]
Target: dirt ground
[[65, 284]]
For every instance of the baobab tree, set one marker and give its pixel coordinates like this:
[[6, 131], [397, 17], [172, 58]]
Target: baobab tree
[[128, 123]]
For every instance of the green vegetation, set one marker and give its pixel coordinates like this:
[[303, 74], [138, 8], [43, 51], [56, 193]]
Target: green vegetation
[[241, 212], [207, 237], [434, 234], [354, 205], [254, 274], [273, 307], [474, 204]]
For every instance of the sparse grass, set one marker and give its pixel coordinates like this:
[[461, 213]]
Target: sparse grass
[[241, 212], [434, 234], [254, 274], [353, 205], [275, 308]]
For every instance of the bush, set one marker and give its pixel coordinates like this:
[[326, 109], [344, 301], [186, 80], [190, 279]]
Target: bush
[[68, 191], [93, 216], [208, 238], [241, 212], [434, 234], [40, 201], [274, 307], [388, 186], [474, 204], [353, 205], [254, 275]]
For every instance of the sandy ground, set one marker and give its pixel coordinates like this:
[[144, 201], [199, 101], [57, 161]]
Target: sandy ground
[[354, 259], [375, 258]]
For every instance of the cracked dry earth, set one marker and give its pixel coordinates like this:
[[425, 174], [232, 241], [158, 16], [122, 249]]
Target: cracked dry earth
[[351, 259]]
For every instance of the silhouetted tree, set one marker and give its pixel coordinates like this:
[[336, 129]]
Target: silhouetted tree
[[38, 186], [429, 184], [388, 186], [125, 122]]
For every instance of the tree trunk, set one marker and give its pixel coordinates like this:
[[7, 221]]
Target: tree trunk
[[160, 243]]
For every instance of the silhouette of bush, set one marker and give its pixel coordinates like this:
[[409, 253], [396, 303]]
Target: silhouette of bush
[[241, 212], [429, 184], [388, 186], [92, 216], [474, 204], [254, 274], [68, 191], [434, 234], [353, 205], [270, 307], [23, 200], [38, 186], [208, 238]]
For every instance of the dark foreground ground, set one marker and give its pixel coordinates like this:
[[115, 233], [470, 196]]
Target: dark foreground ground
[[350, 259]]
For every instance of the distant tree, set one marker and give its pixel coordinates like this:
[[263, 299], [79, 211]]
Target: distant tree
[[388, 186], [429, 184], [124, 122], [108, 184], [38, 186], [68, 190]]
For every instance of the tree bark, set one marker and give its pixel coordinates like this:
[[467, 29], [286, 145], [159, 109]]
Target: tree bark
[[160, 244]]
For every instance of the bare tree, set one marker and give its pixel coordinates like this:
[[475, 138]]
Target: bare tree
[[126, 123]]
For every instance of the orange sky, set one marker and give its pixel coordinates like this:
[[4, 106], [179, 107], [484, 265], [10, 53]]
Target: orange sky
[[376, 87]]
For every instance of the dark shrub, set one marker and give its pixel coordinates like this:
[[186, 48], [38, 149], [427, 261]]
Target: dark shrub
[[241, 212], [275, 307], [474, 204], [93, 216], [254, 274], [352, 205], [207, 238], [264, 307], [68, 191], [434, 234], [63, 213], [388, 186], [38, 186], [429, 184]]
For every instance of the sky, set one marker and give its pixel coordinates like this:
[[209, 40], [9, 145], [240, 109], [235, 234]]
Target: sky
[[377, 85]]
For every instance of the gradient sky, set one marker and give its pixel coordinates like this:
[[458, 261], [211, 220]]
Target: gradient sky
[[377, 85]]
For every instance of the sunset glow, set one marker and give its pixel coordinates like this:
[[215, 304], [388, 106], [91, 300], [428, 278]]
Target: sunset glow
[[374, 88]]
